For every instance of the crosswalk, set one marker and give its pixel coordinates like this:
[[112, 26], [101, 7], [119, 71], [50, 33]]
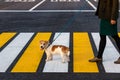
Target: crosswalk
[[10, 52], [25, 47]]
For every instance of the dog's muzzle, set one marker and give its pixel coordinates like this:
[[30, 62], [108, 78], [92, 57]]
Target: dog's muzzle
[[41, 47]]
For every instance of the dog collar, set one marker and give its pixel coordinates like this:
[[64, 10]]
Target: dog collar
[[47, 46]]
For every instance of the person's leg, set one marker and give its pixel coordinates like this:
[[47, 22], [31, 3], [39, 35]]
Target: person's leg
[[101, 49], [117, 40], [101, 46]]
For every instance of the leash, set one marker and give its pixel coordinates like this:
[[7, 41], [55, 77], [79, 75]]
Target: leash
[[69, 22]]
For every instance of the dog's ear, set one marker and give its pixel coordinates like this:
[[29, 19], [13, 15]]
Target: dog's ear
[[41, 41], [46, 41]]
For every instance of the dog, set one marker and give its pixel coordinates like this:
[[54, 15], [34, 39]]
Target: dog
[[51, 50]]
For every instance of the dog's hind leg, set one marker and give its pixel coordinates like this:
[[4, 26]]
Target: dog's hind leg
[[63, 58], [68, 59], [67, 55]]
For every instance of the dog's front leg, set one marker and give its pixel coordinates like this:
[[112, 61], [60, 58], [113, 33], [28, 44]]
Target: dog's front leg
[[47, 59], [47, 56], [50, 57]]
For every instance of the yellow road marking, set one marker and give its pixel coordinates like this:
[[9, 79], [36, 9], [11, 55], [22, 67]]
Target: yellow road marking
[[31, 58], [4, 37], [82, 53]]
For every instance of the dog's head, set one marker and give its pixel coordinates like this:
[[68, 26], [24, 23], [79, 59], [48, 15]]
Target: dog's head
[[43, 44]]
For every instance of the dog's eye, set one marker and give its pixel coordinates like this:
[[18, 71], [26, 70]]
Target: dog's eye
[[43, 44]]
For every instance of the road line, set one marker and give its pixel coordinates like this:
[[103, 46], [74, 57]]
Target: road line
[[10, 52], [4, 37], [56, 64], [9, 11], [31, 58], [91, 4], [37, 5], [82, 50], [63, 10], [12, 11], [110, 55]]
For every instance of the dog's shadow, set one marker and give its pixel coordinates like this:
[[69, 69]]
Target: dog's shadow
[[56, 65], [56, 59]]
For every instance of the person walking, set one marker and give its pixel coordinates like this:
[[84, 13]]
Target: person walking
[[108, 12]]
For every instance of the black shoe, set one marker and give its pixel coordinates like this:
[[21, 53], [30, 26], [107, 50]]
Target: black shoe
[[118, 61]]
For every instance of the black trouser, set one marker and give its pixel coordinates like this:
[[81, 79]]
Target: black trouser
[[103, 44]]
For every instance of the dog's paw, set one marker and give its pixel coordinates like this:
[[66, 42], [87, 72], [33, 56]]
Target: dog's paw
[[63, 61], [51, 59], [46, 60], [68, 60]]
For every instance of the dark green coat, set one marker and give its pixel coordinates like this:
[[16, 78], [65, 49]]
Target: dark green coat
[[108, 9]]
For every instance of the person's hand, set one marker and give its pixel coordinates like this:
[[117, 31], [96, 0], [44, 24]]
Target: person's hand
[[113, 22]]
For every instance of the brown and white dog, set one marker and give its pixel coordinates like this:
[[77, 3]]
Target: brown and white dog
[[55, 49]]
